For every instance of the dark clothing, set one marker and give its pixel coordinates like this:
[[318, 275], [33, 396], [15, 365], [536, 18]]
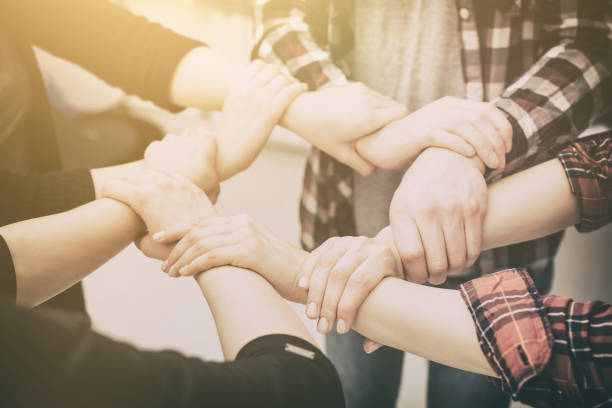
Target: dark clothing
[[125, 50], [8, 280], [53, 360], [38, 194]]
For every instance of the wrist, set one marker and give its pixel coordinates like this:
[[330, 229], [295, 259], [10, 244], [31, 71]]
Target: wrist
[[437, 153]]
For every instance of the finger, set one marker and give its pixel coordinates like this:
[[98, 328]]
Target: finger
[[485, 126], [214, 258], [473, 231], [478, 140], [336, 282], [306, 270], [318, 280], [360, 284], [140, 178], [276, 85], [408, 243], [284, 98], [435, 250], [450, 141], [370, 346], [387, 114], [454, 236], [254, 68], [265, 76], [194, 236], [502, 124], [351, 158], [201, 247]]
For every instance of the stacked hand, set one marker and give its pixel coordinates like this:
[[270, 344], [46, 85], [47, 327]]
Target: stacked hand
[[336, 117], [463, 126], [206, 243], [192, 154], [437, 214], [162, 199], [252, 108]]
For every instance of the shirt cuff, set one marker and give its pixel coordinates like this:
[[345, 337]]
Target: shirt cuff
[[588, 166], [8, 280], [511, 324]]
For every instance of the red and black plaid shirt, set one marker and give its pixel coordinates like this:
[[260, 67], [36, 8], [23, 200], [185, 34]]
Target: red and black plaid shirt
[[546, 64], [550, 350]]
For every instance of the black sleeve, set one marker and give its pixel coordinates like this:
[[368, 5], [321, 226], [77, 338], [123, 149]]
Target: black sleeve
[[123, 49], [8, 280], [38, 194], [58, 361]]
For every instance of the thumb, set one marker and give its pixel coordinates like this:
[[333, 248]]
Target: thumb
[[351, 158]]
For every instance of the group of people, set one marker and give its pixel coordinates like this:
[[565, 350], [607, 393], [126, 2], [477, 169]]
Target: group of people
[[445, 165]]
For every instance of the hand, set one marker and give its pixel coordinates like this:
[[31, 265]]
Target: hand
[[463, 126], [238, 241], [192, 154], [437, 214], [160, 199], [252, 108], [339, 276], [334, 118]]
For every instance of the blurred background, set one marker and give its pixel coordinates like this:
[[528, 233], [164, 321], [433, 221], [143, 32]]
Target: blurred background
[[129, 298]]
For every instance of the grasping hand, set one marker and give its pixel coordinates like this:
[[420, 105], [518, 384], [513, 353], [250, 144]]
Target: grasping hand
[[252, 108], [340, 274], [463, 126], [335, 117], [238, 241], [161, 200], [193, 154], [437, 214]]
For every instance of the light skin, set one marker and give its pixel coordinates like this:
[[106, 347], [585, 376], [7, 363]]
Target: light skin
[[431, 322], [193, 154], [344, 120]]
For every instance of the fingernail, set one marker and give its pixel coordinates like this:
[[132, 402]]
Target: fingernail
[[372, 348], [341, 326], [312, 310], [158, 235], [164, 265], [494, 160], [183, 270], [323, 324], [303, 283], [171, 271]]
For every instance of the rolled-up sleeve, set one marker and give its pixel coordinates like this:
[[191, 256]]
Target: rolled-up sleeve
[[546, 350], [588, 166]]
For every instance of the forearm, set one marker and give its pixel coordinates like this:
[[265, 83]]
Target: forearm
[[529, 205], [202, 79], [245, 307], [52, 253]]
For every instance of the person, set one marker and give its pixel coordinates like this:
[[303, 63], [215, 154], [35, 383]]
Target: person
[[55, 359], [544, 65], [544, 350]]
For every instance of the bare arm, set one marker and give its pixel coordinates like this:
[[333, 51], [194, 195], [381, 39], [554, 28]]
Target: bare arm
[[52, 253], [244, 304], [430, 322]]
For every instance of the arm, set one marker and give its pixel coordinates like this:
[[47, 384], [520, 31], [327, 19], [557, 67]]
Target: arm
[[567, 89], [52, 253], [393, 311]]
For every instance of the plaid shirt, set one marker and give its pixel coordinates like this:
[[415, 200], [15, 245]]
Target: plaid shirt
[[545, 63], [550, 350]]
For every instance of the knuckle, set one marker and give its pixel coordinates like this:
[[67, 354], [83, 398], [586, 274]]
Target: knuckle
[[412, 255], [456, 261], [437, 267]]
